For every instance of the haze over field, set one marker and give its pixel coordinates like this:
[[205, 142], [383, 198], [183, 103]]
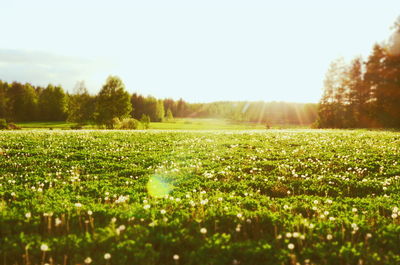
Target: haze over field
[[200, 51]]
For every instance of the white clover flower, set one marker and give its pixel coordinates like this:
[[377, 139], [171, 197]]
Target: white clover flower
[[147, 206], [163, 211], [315, 201], [288, 235], [239, 215], [78, 205], [107, 256], [329, 237], [203, 202], [354, 210], [290, 246], [89, 212], [368, 235], [394, 215], [88, 260], [203, 230], [296, 234], [176, 257], [28, 215]]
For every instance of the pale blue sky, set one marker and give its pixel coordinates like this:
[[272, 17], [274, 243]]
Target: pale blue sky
[[201, 51]]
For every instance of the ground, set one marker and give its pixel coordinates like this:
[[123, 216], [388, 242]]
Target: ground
[[199, 197]]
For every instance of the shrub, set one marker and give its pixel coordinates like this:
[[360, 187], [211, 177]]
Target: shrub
[[76, 127], [129, 124], [13, 126], [145, 120], [3, 124]]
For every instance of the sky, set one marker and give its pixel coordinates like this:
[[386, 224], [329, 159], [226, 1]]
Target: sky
[[201, 51]]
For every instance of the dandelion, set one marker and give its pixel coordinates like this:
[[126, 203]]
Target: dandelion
[[288, 235], [88, 260], [89, 212], [163, 211], [239, 215], [368, 235], [290, 246], [203, 230], [296, 234], [147, 206], [107, 256], [315, 202], [78, 205], [44, 247], [58, 221], [329, 237], [394, 215], [354, 210], [28, 215], [176, 257]]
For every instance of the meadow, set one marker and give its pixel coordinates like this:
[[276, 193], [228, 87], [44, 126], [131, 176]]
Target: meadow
[[199, 197]]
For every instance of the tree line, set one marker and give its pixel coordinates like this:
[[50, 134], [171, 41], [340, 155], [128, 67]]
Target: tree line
[[364, 93], [25, 102]]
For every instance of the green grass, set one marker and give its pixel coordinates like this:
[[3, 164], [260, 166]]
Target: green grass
[[45, 125], [221, 197], [177, 124]]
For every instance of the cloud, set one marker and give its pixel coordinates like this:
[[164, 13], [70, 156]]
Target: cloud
[[42, 68]]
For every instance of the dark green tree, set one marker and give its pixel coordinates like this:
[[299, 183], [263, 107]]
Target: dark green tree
[[52, 104], [112, 102], [81, 106]]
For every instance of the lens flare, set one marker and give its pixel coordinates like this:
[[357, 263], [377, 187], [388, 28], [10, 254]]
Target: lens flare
[[158, 186]]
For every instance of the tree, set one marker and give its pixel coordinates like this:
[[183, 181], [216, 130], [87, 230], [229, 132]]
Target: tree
[[81, 105], [331, 111], [145, 120], [3, 99], [169, 116], [138, 106], [52, 104], [112, 102]]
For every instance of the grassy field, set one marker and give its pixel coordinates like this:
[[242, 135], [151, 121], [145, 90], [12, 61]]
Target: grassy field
[[177, 124], [222, 197]]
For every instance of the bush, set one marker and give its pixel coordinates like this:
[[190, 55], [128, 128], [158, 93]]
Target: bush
[[115, 123], [76, 127], [145, 120], [13, 126], [3, 124], [129, 124]]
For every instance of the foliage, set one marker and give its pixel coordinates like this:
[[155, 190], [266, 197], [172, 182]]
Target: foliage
[[52, 104], [112, 102], [145, 120], [3, 124], [129, 124], [81, 105], [364, 94], [244, 197]]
